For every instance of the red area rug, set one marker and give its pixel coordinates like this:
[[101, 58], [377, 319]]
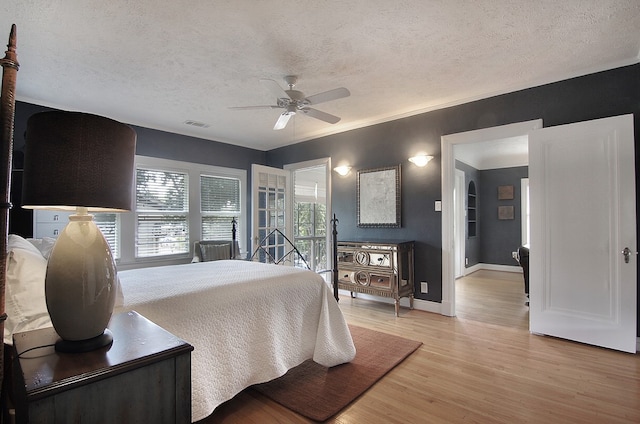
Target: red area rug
[[319, 393]]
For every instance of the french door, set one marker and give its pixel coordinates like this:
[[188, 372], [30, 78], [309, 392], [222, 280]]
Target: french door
[[271, 215]]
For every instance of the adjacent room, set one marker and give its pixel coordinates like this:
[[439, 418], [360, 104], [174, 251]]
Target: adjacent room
[[297, 212]]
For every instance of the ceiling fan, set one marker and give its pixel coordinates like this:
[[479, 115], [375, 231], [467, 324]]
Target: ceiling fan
[[294, 101]]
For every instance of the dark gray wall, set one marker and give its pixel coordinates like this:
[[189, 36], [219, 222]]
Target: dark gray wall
[[599, 95], [500, 237]]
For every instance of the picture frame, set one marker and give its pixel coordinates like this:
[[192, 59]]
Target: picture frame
[[506, 212], [379, 197], [505, 192]]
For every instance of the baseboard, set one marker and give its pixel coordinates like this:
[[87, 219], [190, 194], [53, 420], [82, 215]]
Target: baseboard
[[419, 304], [493, 267]]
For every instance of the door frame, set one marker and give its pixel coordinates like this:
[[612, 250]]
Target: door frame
[[460, 221], [448, 305], [326, 162]]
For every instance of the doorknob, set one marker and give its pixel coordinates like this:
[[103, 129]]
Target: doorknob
[[627, 254]]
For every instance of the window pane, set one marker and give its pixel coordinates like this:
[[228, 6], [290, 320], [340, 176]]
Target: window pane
[[303, 220], [162, 235], [320, 219], [108, 224], [161, 191], [220, 194], [321, 254], [215, 227]]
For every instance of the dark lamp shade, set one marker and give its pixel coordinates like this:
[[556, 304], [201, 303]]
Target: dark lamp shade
[[75, 159]]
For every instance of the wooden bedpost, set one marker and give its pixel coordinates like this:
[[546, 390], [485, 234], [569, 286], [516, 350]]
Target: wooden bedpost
[[334, 243], [7, 113]]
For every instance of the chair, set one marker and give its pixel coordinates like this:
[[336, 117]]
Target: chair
[[523, 259], [215, 250]]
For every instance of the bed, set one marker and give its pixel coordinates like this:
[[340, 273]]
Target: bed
[[249, 322]]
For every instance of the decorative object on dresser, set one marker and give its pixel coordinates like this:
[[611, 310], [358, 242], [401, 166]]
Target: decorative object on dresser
[[145, 376], [82, 162], [378, 197], [382, 268]]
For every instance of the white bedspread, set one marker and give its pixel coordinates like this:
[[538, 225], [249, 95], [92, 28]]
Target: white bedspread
[[248, 322]]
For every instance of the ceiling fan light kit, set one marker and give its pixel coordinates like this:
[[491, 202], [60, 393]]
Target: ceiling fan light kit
[[294, 101]]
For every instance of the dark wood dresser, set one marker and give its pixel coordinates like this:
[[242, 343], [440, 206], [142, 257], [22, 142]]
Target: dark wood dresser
[[143, 377]]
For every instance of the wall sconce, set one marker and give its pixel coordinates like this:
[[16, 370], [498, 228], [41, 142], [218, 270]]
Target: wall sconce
[[420, 160], [76, 161], [342, 170]]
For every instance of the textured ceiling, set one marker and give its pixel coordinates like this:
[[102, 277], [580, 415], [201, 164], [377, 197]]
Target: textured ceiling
[[160, 63]]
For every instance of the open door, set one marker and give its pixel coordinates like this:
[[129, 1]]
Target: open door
[[272, 211], [582, 192]]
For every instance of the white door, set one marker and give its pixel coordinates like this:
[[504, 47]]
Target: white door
[[582, 192], [272, 215]]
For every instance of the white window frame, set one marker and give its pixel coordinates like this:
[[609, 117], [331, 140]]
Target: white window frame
[[194, 170]]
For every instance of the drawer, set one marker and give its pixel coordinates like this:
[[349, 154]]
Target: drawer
[[366, 278], [380, 281], [365, 257], [380, 259], [344, 276], [52, 216], [49, 229], [345, 257]]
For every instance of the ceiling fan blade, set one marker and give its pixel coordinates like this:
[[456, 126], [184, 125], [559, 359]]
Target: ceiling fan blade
[[337, 93], [282, 120], [254, 107], [275, 88], [323, 116]]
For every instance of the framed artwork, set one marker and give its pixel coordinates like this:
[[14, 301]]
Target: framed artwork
[[505, 212], [505, 192], [378, 197]]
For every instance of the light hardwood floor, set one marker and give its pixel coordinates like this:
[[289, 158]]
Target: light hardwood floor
[[482, 366]]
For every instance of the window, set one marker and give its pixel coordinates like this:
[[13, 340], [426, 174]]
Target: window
[[220, 204], [108, 224], [162, 207], [176, 203]]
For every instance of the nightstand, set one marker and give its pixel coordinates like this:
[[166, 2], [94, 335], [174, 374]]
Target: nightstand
[[143, 377]]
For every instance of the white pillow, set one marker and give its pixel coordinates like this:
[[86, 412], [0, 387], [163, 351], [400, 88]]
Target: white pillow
[[25, 302], [44, 245], [17, 242]]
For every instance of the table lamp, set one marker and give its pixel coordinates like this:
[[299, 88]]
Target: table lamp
[[82, 162]]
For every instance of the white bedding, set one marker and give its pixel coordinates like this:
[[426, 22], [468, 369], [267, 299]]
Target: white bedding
[[248, 322]]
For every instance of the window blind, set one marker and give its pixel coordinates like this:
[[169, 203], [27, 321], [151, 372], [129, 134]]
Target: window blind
[[219, 204], [108, 224], [162, 207]]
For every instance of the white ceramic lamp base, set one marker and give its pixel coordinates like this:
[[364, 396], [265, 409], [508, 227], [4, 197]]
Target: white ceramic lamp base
[[80, 285]]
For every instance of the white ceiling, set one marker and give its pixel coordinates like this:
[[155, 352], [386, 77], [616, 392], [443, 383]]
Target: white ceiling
[[158, 64], [494, 154]]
